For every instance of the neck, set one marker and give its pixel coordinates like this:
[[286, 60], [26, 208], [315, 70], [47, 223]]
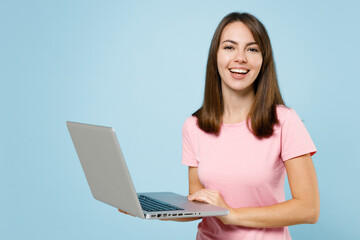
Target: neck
[[237, 105]]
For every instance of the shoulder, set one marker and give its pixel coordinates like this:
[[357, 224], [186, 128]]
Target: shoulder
[[190, 122], [285, 114], [190, 132], [295, 139], [190, 126]]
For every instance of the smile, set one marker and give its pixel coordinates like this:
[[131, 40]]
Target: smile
[[239, 71]]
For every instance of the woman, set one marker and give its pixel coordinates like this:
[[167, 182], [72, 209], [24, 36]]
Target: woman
[[241, 143]]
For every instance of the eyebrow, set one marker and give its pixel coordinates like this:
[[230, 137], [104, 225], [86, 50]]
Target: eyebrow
[[235, 43]]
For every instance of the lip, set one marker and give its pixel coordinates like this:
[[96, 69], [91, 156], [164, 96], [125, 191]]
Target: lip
[[242, 68], [239, 76]]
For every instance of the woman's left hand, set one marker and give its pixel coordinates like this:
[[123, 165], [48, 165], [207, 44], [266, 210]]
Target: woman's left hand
[[212, 197]]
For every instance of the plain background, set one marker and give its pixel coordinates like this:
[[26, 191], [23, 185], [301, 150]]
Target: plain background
[[139, 67]]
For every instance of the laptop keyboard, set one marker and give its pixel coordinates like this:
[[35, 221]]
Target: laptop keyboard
[[152, 205]]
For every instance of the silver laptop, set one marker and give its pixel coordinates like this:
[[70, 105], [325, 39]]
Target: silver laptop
[[110, 182]]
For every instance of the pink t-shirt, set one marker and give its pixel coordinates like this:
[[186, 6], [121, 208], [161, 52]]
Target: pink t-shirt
[[248, 172]]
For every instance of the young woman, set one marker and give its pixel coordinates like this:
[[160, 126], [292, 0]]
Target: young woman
[[243, 141]]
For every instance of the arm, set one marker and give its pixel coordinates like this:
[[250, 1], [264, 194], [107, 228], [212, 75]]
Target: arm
[[304, 207], [194, 181]]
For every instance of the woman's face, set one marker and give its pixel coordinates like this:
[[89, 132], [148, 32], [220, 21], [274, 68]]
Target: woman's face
[[238, 58]]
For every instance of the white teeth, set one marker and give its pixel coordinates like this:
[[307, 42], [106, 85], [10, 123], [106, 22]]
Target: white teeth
[[236, 70]]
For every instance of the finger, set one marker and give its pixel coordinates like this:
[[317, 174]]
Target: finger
[[209, 196], [202, 197], [201, 192], [205, 199], [213, 194], [123, 212]]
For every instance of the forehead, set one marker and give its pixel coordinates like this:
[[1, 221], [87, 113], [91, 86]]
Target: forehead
[[238, 32]]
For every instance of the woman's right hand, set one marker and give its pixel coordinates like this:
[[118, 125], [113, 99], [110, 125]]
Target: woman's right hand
[[125, 213]]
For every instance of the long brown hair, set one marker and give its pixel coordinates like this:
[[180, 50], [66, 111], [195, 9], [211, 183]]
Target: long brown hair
[[267, 93]]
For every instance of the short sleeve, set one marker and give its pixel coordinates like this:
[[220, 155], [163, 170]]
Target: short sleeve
[[189, 141], [295, 139]]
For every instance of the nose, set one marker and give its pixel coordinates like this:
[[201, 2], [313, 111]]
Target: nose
[[241, 57]]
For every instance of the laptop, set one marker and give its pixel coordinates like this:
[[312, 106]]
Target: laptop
[[110, 182]]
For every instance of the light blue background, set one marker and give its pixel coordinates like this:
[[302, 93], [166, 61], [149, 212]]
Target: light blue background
[[139, 67]]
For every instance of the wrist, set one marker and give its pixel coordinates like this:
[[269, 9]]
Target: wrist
[[230, 218]]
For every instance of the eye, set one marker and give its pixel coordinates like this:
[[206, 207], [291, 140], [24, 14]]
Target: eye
[[253, 50], [229, 48]]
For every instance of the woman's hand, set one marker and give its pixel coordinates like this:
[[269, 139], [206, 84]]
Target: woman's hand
[[212, 197], [125, 213]]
